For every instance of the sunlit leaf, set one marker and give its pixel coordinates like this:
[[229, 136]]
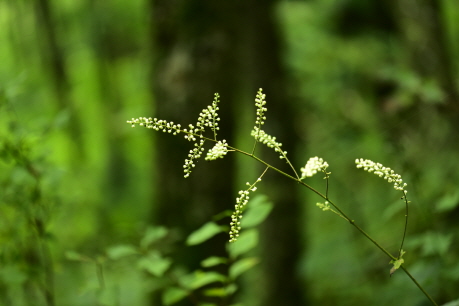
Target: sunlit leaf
[[217, 292], [247, 241], [173, 295], [120, 251], [213, 261], [241, 266], [204, 233], [154, 263], [72, 255], [452, 303], [397, 263], [200, 278], [153, 234], [258, 210]]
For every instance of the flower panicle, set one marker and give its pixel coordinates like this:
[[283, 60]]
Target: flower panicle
[[260, 102], [269, 141], [156, 124], [313, 166], [219, 150], [208, 117], [385, 172], [241, 202], [193, 155]]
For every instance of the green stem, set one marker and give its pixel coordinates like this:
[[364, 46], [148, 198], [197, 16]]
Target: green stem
[[406, 225], [419, 286], [325, 197], [352, 222]]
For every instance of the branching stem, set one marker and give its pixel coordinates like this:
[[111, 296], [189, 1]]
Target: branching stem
[[406, 225], [325, 197]]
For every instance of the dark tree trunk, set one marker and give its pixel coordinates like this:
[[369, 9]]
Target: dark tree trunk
[[421, 25], [202, 47], [54, 64], [281, 236]]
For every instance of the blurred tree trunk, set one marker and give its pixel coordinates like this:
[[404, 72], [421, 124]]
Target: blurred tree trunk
[[54, 64], [421, 23], [194, 55], [281, 236], [202, 47]]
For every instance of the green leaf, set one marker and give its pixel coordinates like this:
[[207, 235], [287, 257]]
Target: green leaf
[[397, 263], [153, 234], [432, 243], [216, 292], [452, 303], [246, 241], [203, 233], [155, 263], [200, 278], [242, 265], [173, 295], [120, 251], [448, 202], [213, 261], [72, 255], [258, 210]]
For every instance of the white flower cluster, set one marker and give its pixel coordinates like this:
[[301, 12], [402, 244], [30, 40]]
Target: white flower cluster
[[268, 140], [192, 155], [324, 206], [156, 124], [314, 165], [192, 131], [260, 103], [387, 173], [218, 151], [209, 116], [236, 217]]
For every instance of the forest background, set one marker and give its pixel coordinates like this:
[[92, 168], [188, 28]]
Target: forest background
[[344, 80]]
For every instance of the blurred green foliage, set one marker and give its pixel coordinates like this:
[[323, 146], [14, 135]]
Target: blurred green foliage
[[78, 185]]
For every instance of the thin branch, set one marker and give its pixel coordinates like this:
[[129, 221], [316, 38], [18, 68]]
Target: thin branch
[[406, 225]]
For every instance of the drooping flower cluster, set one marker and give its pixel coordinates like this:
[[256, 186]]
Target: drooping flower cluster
[[268, 140], [385, 172], [314, 165], [241, 202], [218, 151]]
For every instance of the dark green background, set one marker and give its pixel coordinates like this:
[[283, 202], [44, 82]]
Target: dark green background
[[344, 80]]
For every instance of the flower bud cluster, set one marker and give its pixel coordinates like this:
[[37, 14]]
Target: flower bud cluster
[[314, 165], [218, 151], [387, 173], [156, 124], [268, 140], [236, 217], [194, 154], [209, 116], [260, 103], [193, 131], [324, 206]]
